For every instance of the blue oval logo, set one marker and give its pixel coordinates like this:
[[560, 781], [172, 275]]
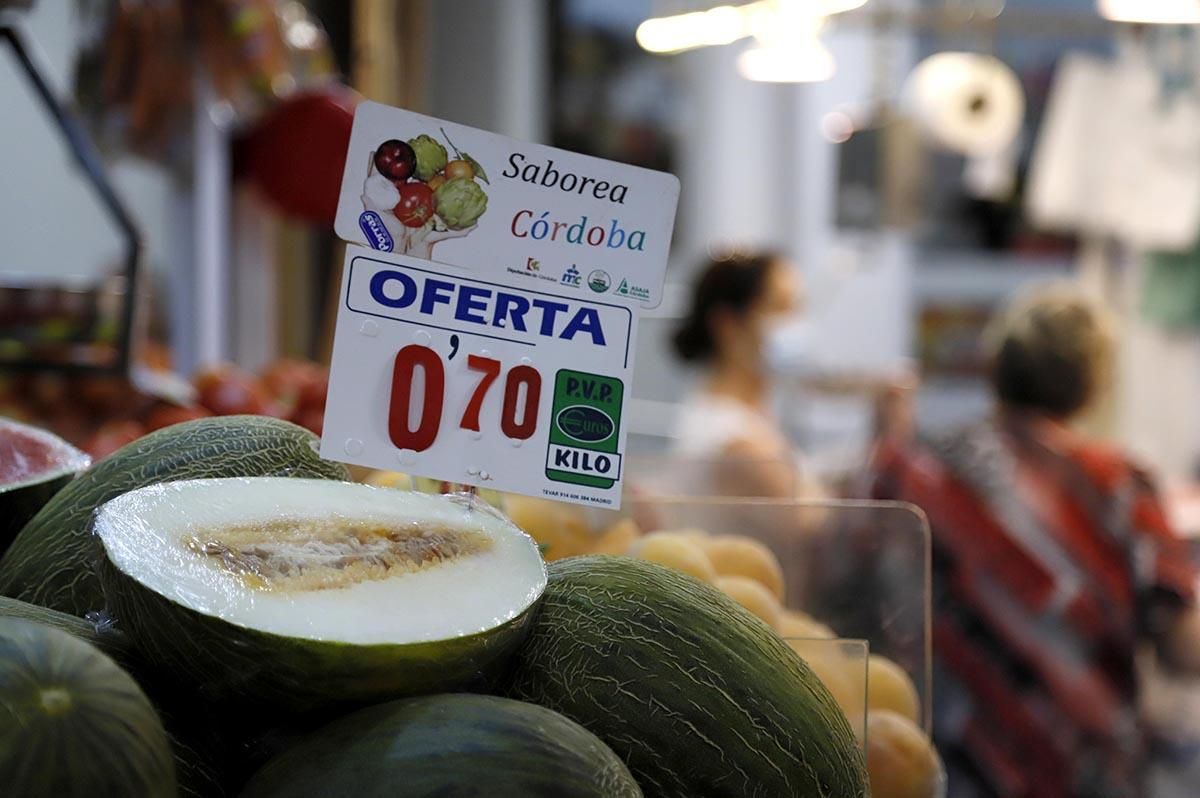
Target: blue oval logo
[[375, 231], [584, 423]]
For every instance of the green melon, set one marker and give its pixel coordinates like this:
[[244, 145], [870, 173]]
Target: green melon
[[194, 765], [302, 594], [448, 745], [72, 723], [100, 634], [34, 465], [698, 696], [52, 561]]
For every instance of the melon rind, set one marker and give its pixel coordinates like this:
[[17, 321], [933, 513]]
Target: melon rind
[[448, 745], [101, 635], [698, 696]]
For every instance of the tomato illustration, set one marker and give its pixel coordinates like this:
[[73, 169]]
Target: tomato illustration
[[416, 204]]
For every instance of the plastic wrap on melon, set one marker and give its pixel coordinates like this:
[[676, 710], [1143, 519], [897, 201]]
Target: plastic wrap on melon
[[309, 593]]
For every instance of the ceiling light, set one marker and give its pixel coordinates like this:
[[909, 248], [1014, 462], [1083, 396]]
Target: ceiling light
[[1162, 12], [801, 62], [726, 24], [720, 25]]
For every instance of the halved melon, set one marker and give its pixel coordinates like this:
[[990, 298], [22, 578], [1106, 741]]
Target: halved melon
[[305, 593], [34, 465]]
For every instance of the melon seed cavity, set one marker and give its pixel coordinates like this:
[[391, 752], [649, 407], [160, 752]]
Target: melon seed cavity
[[316, 554]]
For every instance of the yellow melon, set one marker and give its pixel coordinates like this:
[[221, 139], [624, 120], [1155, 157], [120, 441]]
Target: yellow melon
[[734, 555], [675, 551], [753, 596], [901, 760], [843, 676], [618, 538], [795, 623], [890, 688], [560, 529], [389, 479]]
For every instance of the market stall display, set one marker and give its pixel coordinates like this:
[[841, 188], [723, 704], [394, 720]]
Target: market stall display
[[212, 577]]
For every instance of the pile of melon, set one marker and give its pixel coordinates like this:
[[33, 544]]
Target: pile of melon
[[901, 759], [214, 610]]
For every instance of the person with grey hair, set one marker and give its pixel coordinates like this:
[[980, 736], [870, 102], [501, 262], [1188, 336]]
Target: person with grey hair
[[1053, 564]]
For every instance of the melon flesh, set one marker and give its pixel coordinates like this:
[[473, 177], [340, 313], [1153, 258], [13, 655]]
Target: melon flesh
[[28, 453], [34, 465], [322, 566]]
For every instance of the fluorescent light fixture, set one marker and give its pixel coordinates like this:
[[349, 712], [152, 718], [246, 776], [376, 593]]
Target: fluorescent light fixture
[[801, 62], [1151, 12], [831, 7], [720, 25], [726, 24]]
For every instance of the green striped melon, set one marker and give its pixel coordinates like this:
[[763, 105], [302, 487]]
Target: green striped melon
[[301, 594], [52, 561], [448, 745], [698, 696], [195, 768], [34, 465], [72, 723], [100, 634]]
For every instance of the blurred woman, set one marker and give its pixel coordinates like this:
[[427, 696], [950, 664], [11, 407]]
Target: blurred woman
[[740, 304], [1053, 561]]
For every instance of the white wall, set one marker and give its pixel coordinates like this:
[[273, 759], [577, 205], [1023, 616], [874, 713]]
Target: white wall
[[51, 225], [488, 67]]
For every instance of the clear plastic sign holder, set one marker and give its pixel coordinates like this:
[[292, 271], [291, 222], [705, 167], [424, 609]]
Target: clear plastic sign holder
[[731, 477], [861, 568], [841, 663]]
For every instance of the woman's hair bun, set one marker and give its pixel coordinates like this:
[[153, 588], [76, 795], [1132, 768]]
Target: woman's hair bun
[[733, 283], [693, 340]]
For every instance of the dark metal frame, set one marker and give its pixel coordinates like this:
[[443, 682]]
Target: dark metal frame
[[90, 161]]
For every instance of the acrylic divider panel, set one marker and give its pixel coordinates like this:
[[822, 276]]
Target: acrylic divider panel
[[862, 569]]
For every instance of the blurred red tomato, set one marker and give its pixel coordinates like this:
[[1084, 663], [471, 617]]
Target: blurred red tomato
[[284, 378], [112, 436], [228, 391], [166, 415]]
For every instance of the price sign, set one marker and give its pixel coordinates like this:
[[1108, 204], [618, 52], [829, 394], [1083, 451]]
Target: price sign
[[444, 374], [489, 306]]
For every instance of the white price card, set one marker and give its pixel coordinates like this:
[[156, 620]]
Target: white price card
[[506, 210], [449, 374]]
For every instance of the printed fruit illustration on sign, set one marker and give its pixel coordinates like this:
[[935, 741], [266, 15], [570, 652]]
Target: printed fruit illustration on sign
[[431, 156], [415, 207], [274, 579], [395, 159], [459, 168], [415, 195]]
